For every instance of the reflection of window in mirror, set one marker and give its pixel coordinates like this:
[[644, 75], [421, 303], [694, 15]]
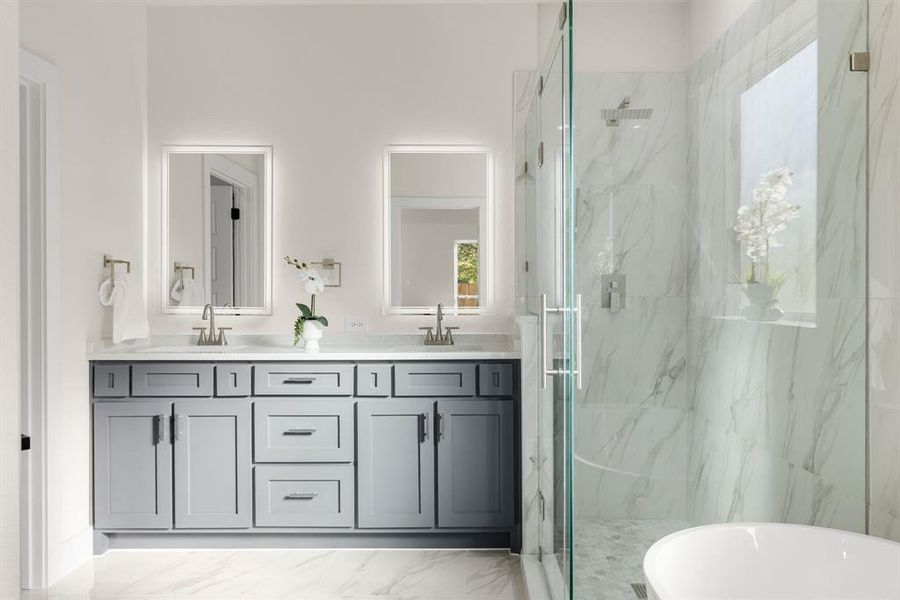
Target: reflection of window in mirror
[[465, 269], [437, 210], [779, 129]]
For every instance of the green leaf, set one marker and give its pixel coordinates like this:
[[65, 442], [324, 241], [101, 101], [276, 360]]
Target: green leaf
[[304, 310], [298, 330], [322, 320]]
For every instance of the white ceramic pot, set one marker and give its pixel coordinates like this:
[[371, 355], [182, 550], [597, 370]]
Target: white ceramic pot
[[762, 302], [312, 333]]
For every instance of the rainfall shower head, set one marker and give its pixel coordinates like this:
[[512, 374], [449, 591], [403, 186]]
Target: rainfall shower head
[[624, 112]]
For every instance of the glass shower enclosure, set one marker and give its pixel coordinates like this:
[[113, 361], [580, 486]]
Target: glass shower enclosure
[[691, 276]]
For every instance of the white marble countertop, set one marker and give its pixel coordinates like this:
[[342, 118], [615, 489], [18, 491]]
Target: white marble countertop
[[357, 347]]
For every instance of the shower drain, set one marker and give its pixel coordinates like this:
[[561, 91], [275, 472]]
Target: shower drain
[[640, 590]]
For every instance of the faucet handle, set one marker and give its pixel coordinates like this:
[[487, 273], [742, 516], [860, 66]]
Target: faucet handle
[[221, 338], [429, 333], [449, 334], [202, 331]]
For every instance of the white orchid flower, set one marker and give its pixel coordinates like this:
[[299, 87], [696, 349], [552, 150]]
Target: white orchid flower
[[313, 282]]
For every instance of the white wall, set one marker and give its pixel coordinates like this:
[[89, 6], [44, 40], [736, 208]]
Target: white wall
[[709, 19], [329, 87], [101, 54], [622, 36], [9, 299]]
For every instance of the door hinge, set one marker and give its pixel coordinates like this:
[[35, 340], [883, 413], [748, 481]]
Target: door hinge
[[235, 214], [26, 442], [540, 84], [541, 154], [563, 15], [527, 266], [525, 168], [860, 61]]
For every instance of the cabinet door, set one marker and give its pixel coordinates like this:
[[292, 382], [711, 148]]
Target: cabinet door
[[476, 463], [132, 465], [212, 464], [396, 463]]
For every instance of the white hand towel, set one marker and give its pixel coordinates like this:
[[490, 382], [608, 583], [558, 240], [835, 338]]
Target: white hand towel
[[129, 313], [187, 292]]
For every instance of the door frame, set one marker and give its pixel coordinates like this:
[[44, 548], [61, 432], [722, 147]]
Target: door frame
[[41, 290]]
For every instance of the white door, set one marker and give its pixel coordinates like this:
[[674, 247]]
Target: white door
[[221, 244]]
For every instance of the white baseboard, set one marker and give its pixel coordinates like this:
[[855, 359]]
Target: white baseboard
[[65, 557]]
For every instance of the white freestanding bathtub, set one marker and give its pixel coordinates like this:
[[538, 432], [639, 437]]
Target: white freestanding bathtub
[[768, 561]]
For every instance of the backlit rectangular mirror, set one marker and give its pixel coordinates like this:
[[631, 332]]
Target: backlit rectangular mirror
[[216, 208], [438, 213]]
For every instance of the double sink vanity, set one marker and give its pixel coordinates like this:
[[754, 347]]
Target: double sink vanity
[[385, 443]]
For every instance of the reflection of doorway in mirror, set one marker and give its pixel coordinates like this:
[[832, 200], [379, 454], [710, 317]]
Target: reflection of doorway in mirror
[[222, 242], [465, 273], [231, 232]]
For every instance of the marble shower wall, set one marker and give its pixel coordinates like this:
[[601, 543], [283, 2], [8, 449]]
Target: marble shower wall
[[884, 269], [777, 409], [631, 430]]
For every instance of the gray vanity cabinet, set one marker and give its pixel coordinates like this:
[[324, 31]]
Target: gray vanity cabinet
[[475, 463], [132, 465], [395, 469], [213, 487]]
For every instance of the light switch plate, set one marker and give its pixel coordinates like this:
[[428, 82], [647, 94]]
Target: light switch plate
[[356, 325]]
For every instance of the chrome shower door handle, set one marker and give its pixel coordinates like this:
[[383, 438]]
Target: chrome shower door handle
[[543, 365]]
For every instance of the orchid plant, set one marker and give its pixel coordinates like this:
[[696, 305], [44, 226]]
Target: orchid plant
[[758, 221], [313, 284]]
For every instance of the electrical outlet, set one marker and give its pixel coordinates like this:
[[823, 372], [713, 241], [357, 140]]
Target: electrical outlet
[[356, 325]]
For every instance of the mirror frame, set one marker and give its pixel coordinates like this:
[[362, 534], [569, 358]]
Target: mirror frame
[[266, 242], [486, 263]]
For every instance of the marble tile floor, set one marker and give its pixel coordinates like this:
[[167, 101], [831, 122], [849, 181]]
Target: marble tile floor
[[301, 574], [609, 554]]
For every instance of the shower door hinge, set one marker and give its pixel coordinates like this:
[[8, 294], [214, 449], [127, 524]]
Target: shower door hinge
[[563, 15], [859, 61], [540, 84], [525, 168], [541, 154], [527, 266]]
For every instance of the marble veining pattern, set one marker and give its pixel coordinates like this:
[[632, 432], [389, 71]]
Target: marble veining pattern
[[271, 574], [884, 282]]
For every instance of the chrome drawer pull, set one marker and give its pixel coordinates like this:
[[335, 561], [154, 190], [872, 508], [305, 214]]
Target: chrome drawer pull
[[308, 431], [301, 496], [300, 380]]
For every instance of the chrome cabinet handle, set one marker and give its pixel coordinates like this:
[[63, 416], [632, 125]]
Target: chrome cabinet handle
[[178, 431], [307, 431], [440, 425], [301, 496], [424, 422], [162, 422], [300, 380]]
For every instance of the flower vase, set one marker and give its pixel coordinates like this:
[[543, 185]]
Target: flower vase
[[312, 333], [763, 303]]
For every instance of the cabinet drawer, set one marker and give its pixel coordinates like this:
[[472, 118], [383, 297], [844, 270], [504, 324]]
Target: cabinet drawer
[[303, 430], [304, 496], [111, 380], [373, 380], [316, 379], [495, 380], [232, 380], [172, 379], [434, 379]]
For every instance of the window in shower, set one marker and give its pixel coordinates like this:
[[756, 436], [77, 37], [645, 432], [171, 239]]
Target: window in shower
[[778, 132]]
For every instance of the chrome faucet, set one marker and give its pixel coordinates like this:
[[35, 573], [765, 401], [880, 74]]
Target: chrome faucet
[[211, 338], [444, 335]]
